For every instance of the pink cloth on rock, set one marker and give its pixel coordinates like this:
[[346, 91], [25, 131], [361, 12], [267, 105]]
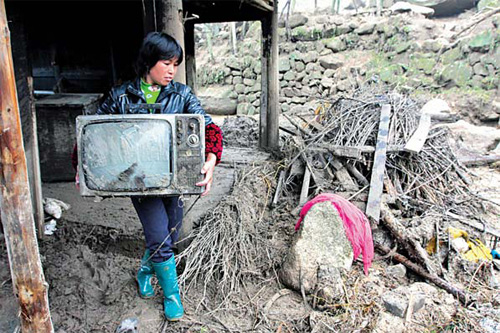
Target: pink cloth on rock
[[356, 225]]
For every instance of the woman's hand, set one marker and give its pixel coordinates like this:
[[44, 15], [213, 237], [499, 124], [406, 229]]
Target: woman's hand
[[208, 171]]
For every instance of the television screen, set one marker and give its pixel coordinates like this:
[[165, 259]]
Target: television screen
[[147, 154], [127, 156]]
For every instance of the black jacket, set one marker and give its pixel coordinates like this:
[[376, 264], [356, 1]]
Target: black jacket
[[174, 98]]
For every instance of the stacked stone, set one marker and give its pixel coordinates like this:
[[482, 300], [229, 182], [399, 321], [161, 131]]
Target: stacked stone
[[320, 60]]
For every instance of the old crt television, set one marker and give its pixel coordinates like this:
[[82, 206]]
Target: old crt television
[[140, 155]]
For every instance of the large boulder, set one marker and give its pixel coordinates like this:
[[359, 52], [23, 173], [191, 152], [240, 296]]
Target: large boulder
[[331, 61], [445, 7], [320, 246], [297, 20], [218, 105]]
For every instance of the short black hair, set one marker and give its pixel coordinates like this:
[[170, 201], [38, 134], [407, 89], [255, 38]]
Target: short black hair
[[157, 46]]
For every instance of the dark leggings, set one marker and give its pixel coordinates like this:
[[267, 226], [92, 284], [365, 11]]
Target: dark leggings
[[161, 220]]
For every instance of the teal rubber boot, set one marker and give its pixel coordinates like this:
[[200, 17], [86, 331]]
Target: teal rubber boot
[[167, 278], [144, 276]]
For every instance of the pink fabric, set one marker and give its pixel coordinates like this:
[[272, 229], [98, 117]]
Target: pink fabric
[[356, 225]]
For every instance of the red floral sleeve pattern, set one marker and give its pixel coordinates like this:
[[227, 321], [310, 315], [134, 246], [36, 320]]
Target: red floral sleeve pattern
[[213, 141]]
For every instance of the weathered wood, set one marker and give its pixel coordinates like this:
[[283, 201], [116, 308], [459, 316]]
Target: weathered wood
[[460, 294], [172, 15], [352, 152], [479, 160], [417, 140], [305, 187], [190, 58], [269, 112], [343, 176], [378, 170], [356, 174], [279, 188], [37, 176], [476, 225], [264, 81], [413, 247], [15, 200]]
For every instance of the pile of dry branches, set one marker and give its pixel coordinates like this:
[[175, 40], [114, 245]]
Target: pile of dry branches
[[337, 141], [228, 248]]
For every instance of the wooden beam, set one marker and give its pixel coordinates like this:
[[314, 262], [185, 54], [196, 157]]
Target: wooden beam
[[172, 16], [190, 57], [378, 169], [15, 200]]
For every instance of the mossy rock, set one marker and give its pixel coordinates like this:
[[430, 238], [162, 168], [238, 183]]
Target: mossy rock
[[493, 59], [481, 42], [488, 3], [391, 74], [304, 34], [458, 73], [490, 83], [403, 47], [336, 44], [423, 63], [451, 56]]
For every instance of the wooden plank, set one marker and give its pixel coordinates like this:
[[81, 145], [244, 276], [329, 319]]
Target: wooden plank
[[378, 170], [417, 140], [37, 176], [15, 200]]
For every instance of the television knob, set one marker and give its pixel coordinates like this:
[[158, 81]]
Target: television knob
[[193, 140]]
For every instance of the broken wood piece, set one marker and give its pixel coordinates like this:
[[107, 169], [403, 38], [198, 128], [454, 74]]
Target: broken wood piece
[[356, 174], [279, 187], [352, 152], [378, 170], [417, 140], [480, 160], [305, 187], [410, 244], [343, 176], [312, 123], [297, 126], [461, 295], [432, 109]]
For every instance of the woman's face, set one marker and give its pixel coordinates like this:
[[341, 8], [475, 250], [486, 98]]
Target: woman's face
[[163, 72]]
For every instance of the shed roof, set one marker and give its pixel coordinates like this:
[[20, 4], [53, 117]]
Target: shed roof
[[227, 10]]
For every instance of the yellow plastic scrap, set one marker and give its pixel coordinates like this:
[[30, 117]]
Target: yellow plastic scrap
[[478, 251], [455, 233]]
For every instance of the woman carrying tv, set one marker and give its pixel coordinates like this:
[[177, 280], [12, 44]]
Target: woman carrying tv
[[161, 217]]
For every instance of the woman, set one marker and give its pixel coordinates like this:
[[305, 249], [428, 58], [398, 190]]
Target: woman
[[161, 217]]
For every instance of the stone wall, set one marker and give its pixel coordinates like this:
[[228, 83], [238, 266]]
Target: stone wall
[[328, 55]]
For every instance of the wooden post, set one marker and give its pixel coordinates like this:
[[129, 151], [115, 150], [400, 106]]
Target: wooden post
[[190, 57], [15, 200], [269, 114], [172, 16]]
